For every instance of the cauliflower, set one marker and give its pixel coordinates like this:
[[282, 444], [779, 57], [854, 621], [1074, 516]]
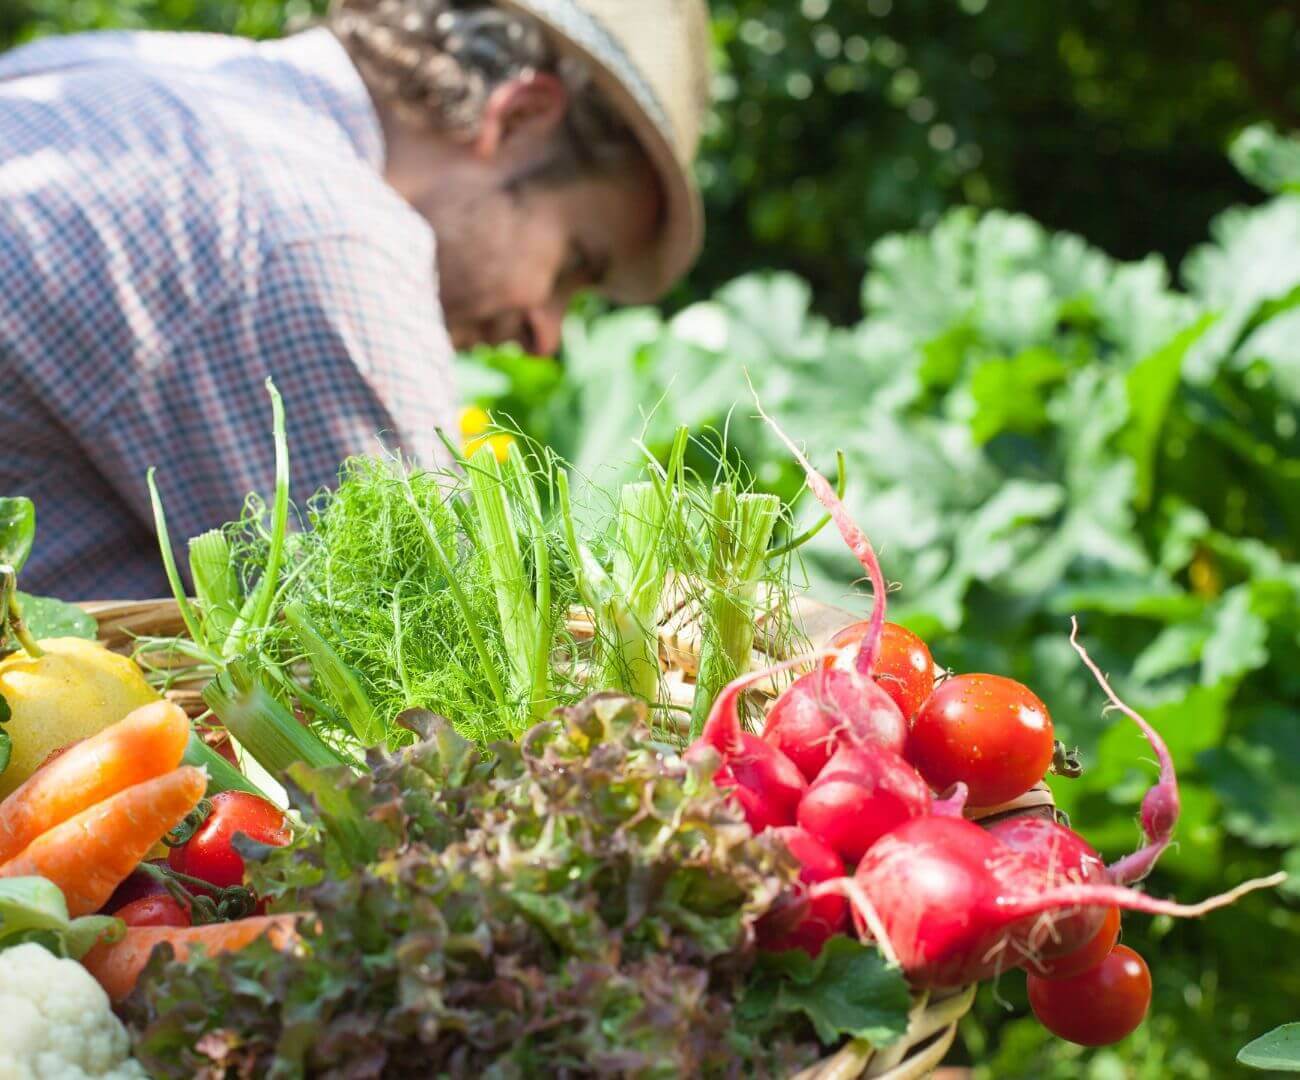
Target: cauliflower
[[55, 1022]]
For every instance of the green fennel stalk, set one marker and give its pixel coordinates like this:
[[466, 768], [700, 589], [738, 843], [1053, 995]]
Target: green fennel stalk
[[741, 529]]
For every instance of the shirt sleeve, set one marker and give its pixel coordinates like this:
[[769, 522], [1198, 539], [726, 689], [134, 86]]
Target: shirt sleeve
[[356, 345]]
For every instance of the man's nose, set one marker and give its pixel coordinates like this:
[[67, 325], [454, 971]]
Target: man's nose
[[546, 322]]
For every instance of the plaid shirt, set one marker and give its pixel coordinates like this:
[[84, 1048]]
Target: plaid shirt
[[180, 217]]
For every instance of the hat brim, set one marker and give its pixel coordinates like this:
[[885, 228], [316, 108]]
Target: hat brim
[[681, 226]]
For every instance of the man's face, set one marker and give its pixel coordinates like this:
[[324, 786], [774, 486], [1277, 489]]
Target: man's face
[[511, 257], [512, 249]]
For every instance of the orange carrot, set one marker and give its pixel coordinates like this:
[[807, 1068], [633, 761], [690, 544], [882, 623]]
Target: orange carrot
[[149, 742], [117, 965], [88, 855]]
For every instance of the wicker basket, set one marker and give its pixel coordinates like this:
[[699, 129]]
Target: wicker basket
[[932, 1024]]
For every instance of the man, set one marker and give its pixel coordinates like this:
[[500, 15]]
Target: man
[[182, 216]]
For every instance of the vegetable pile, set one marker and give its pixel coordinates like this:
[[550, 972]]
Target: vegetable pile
[[949, 902], [363, 887], [583, 901]]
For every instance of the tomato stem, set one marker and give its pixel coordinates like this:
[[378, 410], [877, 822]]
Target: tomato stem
[[192, 822]]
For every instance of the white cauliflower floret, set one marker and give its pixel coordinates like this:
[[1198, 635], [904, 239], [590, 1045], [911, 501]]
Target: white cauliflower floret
[[55, 1022]]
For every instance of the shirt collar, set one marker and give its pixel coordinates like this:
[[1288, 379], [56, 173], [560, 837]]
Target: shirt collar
[[329, 80]]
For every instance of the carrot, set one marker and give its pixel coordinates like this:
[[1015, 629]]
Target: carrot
[[117, 965], [147, 743], [88, 855]]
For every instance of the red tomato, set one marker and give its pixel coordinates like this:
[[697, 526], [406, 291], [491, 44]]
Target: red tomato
[[1084, 958], [163, 910], [904, 669], [1099, 1007], [209, 856], [991, 733]]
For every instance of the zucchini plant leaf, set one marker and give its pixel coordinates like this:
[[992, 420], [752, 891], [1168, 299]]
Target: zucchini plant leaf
[[1279, 1050], [50, 618]]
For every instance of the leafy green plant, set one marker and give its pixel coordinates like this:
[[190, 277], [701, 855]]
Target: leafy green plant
[[586, 872]]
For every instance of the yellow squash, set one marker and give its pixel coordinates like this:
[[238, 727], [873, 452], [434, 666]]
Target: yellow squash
[[76, 689]]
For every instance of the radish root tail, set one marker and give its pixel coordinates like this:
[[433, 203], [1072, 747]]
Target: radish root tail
[[857, 897], [722, 728], [853, 536], [1160, 805]]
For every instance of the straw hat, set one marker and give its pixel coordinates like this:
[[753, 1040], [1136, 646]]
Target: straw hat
[[651, 60]]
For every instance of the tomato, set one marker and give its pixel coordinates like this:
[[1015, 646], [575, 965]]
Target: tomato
[[991, 733], [209, 854], [1100, 1006], [162, 910], [1084, 958], [904, 669]]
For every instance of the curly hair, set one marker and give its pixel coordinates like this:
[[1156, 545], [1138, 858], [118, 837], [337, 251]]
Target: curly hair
[[438, 61]]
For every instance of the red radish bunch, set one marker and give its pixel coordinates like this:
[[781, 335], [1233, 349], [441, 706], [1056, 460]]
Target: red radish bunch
[[865, 761]]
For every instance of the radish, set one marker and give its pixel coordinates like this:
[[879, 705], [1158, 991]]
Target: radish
[[831, 708], [861, 794], [955, 904], [1061, 855], [765, 783], [806, 923]]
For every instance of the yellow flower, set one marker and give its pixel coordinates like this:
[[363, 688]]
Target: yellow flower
[[500, 445], [473, 421]]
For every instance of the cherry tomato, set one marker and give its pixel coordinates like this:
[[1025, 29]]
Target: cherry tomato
[[1100, 1006], [209, 854], [162, 910], [1084, 958], [904, 669], [991, 733]]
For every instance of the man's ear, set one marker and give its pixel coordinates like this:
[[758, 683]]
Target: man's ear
[[526, 111]]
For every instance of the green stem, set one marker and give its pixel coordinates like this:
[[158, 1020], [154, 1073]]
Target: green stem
[[462, 602], [222, 776], [262, 725], [841, 482], [337, 677], [742, 529], [11, 614], [279, 511], [192, 624]]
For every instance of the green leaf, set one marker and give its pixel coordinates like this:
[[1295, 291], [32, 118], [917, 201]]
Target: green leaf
[[49, 618], [1010, 395], [848, 990], [1177, 646], [1238, 641], [1257, 775], [1278, 1050], [17, 530], [33, 908], [1265, 158], [1151, 385]]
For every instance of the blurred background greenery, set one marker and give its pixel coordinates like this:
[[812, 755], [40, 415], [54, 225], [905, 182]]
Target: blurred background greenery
[[1035, 424]]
